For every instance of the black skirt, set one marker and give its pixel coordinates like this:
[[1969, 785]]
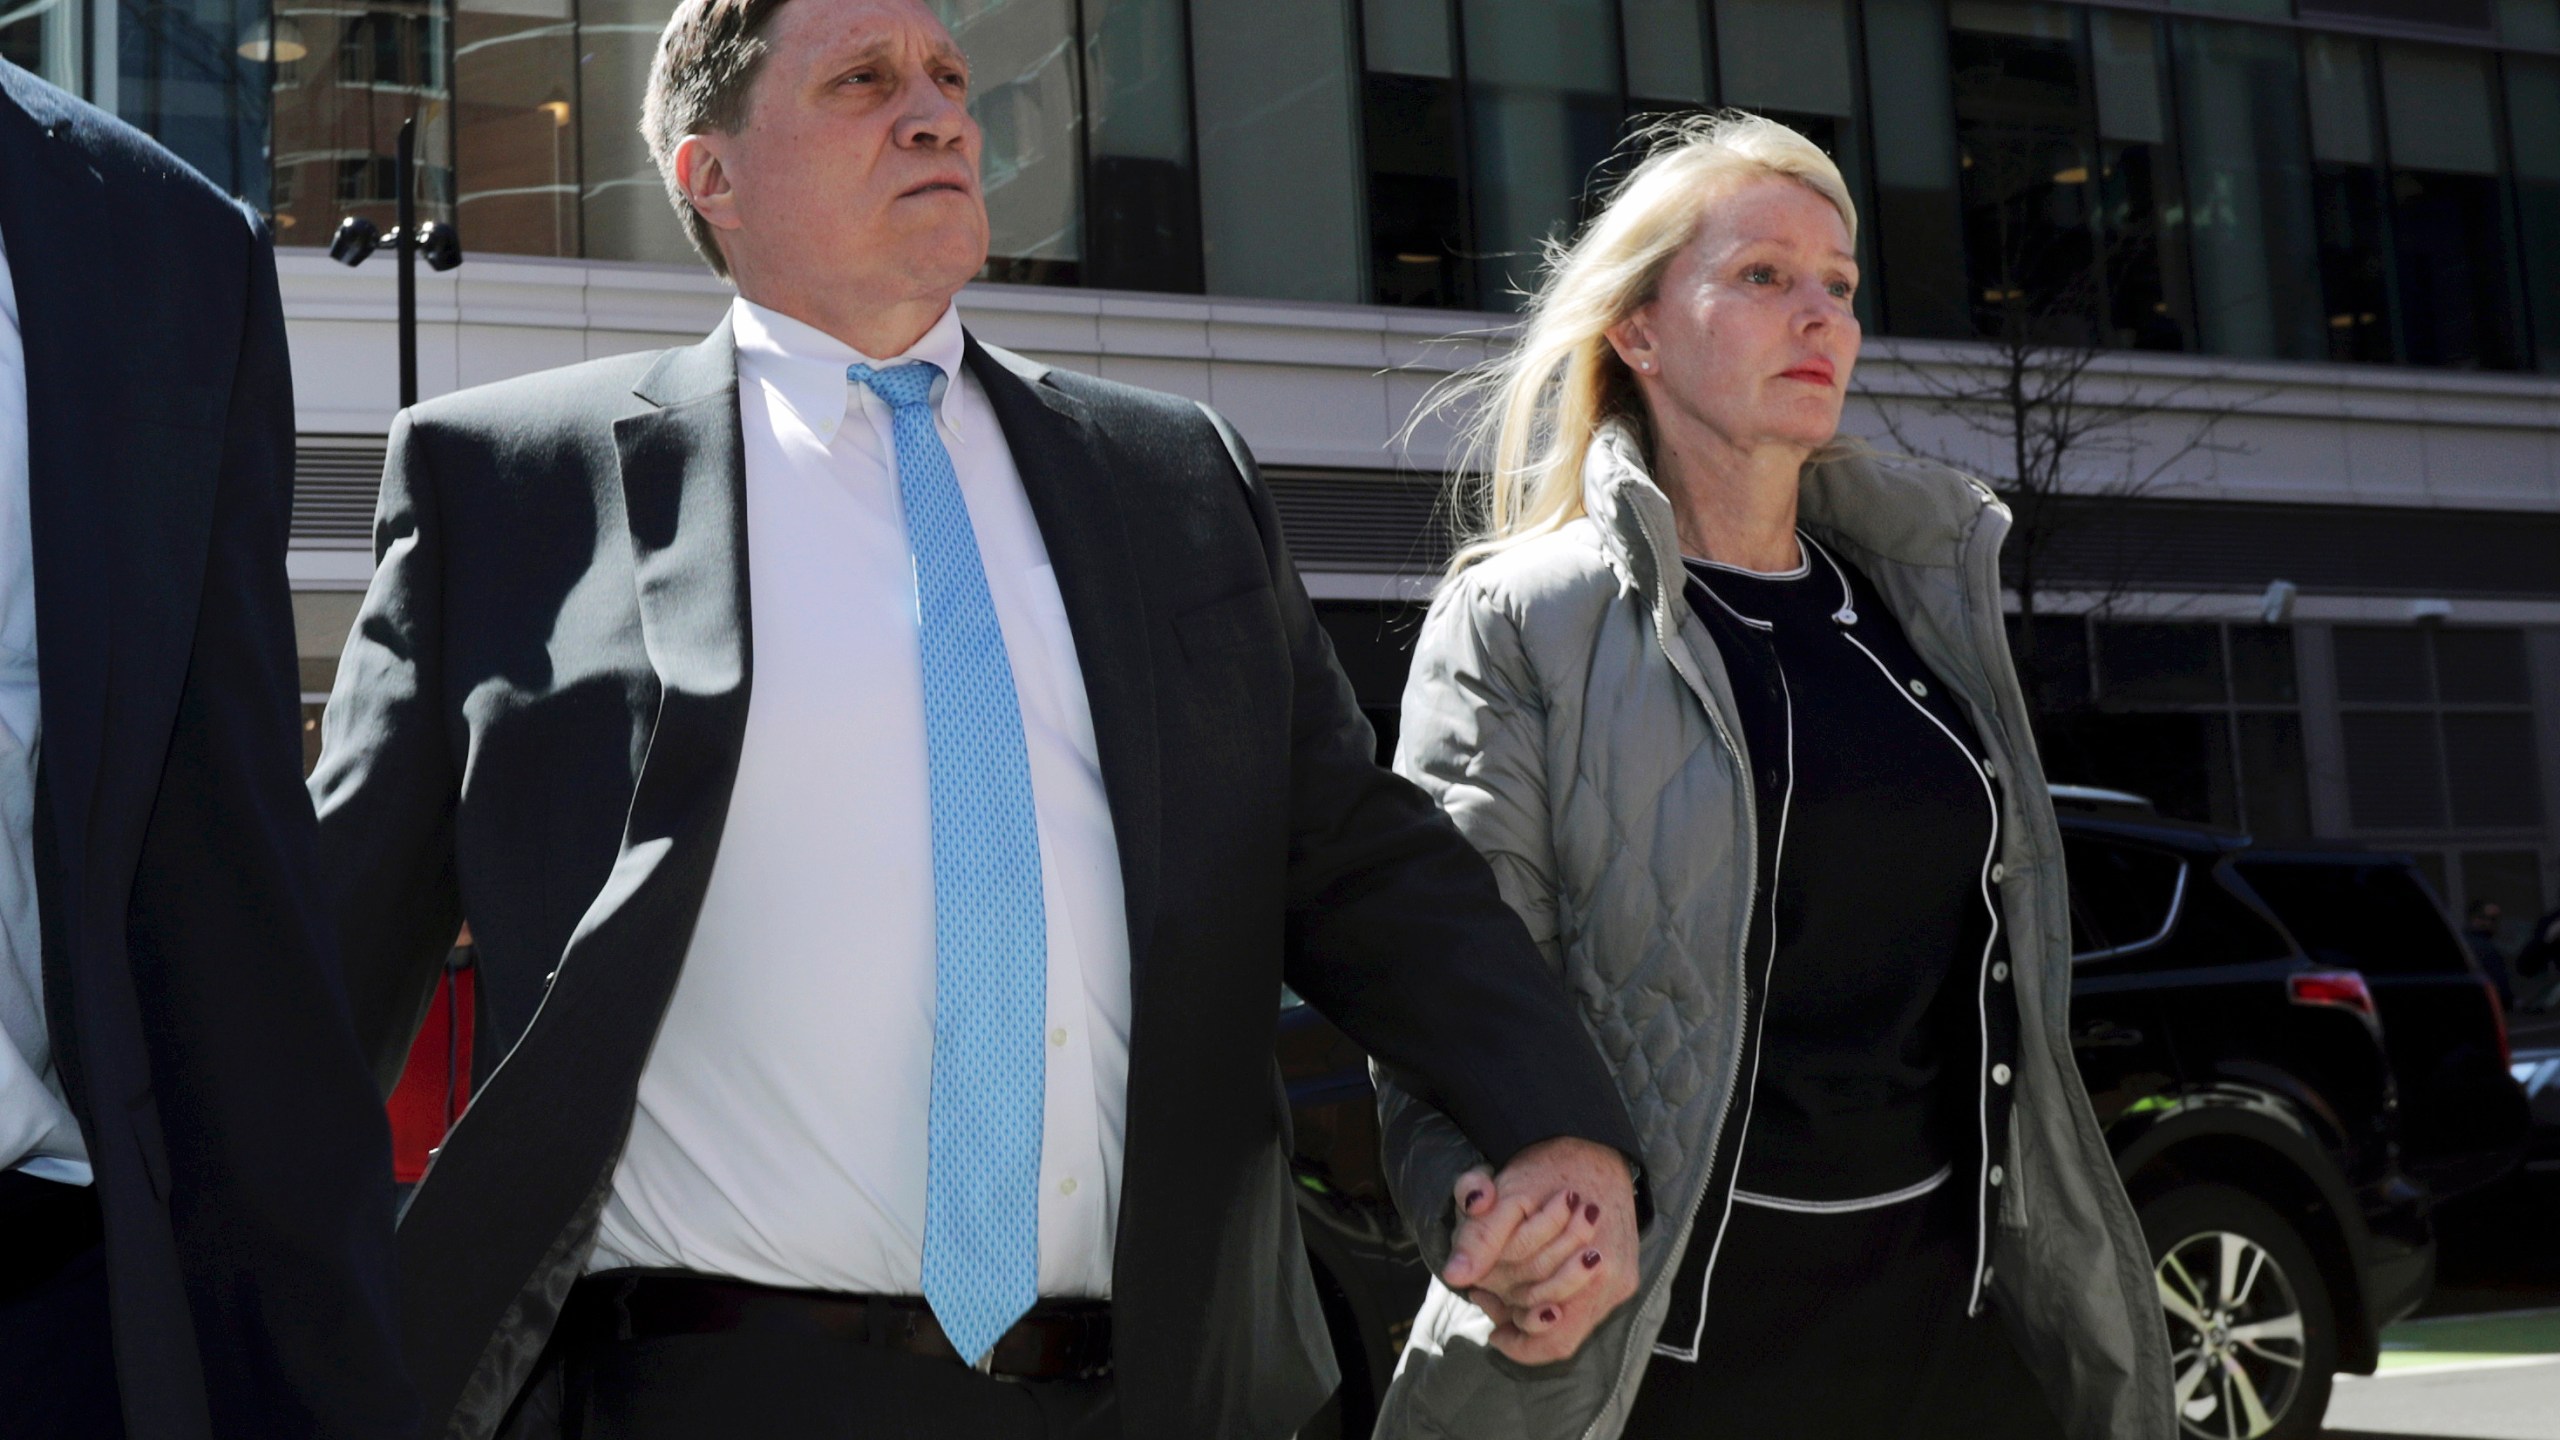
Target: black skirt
[[1841, 1327]]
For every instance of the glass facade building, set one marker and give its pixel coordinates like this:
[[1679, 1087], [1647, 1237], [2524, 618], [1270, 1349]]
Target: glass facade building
[[2355, 180]]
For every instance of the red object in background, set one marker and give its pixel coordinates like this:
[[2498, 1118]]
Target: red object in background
[[437, 1084]]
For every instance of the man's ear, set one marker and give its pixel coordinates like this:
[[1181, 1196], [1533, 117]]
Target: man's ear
[[705, 181]]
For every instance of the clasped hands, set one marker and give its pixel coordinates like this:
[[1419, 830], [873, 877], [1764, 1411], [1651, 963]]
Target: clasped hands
[[1547, 1247]]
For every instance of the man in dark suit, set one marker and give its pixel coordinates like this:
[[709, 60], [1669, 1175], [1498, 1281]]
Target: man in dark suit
[[898, 779], [195, 1184]]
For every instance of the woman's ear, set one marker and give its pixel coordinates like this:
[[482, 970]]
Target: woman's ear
[[1632, 338]]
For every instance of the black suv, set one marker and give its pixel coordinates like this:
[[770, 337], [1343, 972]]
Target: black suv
[[2281, 1160]]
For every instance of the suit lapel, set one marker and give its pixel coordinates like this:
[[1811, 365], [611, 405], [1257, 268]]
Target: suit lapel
[[1079, 511]]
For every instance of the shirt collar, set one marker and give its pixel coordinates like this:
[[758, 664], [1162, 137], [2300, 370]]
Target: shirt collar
[[804, 366]]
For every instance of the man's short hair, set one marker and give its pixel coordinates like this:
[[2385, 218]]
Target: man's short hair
[[707, 61]]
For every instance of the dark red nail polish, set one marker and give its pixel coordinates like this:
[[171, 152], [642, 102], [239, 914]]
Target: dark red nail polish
[[1590, 1259], [1592, 1214], [1472, 1197], [1572, 1201], [1547, 1316]]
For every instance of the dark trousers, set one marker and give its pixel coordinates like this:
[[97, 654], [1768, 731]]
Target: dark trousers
[[798, 1387], [1845, 1327], [57, 1358]]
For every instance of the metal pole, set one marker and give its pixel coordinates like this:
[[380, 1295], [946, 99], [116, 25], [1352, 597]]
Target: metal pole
[[404, 173]]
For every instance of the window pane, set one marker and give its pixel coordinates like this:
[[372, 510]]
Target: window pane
[[2248, 190], [2533, 119], [515, 66], [1409, 37], [181, 79], [2381, 663], [2253, 9], [1024, 57], [2481, 667], [1785, 55], [2395, 776], [2274, 777], [1918, 222], [2020, 123], [1666, 51], [625, 213], [2489, 761], [45, 37], [2181, 762], [2474, 15], [2510, 880], [2457, 302], [2153, 664], [2123, 891], [1542, 92], [2054, 670], [337, 117], [2262, 670], [2365, 917], [2347, 194], [2140, 212], [1146, 227], [2530, 22], [1418, 236], [1279, 178]]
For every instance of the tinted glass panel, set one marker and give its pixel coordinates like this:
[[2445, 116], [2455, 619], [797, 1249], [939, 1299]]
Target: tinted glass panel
[[2458, 300], [2395, 775], [337, 111], [2481, 667], [2216, 927], [2372, 918], [623, 207], [47, 39], [2055, 668], [2124, 891], [181, 78], [1917, 222], [515, 78], [2274, 773], [2248, 180], [1418, 235], [2160, 663], [2473, 15], [2021, 123], [1542, 111], [2140, 207], [2530, 22], [2533, 120], [1666, 51], [2375, 663], [1279, 149], [1023, 55], [1142, 200], [2490, 766], [2349, 198], [1409, 37]]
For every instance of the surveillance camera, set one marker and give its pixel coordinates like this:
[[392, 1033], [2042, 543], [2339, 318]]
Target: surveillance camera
[[2276, 606], [356, 238], [439, 246]]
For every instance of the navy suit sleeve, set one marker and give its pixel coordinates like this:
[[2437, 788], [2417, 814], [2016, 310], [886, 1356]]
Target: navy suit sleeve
[[1397, 932], [280, 1158]]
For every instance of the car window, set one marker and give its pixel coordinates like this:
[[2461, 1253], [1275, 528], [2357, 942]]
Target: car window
[[2375, 918], [2123, 896]]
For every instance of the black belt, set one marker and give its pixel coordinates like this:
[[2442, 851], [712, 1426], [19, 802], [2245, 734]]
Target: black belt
[[49, 1225], [1058, 1340]]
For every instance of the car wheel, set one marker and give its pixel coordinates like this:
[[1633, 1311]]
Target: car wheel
[[2253, 1347]]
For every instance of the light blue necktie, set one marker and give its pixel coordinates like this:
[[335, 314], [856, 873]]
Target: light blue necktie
[[990, 930]]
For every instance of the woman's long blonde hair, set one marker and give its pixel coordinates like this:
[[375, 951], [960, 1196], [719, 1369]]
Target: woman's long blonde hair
[[1527, 416]]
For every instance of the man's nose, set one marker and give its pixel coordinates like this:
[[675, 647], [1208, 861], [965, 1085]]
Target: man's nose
[[933, 120]]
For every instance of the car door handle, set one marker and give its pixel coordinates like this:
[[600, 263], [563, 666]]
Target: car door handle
[[2105, 1035]]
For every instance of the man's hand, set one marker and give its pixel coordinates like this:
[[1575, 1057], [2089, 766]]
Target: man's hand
[[1547, 1248]]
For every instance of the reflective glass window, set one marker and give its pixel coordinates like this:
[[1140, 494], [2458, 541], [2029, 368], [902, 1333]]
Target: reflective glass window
[[2349, 197], [46, 38], [623, 204], [1917, 219], [1142, 204], [2533, 119], [337, 107], [2450, 223], [2530, 22], [1280, 177], [184, 76], [2248, 183], [2022, 111], [1420, 245], [515, 151], [2141, 218], [1025, 94], [1666, 52], [1409, 37], [1542, 111]]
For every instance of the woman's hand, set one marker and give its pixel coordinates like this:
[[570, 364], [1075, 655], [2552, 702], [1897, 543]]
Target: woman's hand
[[1547, 1248]]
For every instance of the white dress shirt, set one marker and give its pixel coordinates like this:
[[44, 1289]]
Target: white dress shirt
[[781, 1130], [37, 1133]]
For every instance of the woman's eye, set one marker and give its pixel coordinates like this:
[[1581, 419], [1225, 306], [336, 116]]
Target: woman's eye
[[1841, 289], [1759, 275]]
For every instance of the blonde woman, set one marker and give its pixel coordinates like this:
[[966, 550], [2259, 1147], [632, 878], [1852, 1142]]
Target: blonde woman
[[1728, 704]]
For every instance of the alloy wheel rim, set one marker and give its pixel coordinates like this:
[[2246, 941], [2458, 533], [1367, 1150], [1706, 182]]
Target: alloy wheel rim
[[2235, 1335]]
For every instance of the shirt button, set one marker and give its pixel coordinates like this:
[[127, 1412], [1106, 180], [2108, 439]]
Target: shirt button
[[1998, 1175], [1999, 969], [1057, 1037], [1986, 1277], [1990, 771], [1918, 688], [1068, 1185], [1999, 873], [1999, 1074]]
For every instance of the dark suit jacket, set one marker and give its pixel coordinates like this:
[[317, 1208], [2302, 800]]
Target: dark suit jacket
[[538, 721], [191, 989]]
